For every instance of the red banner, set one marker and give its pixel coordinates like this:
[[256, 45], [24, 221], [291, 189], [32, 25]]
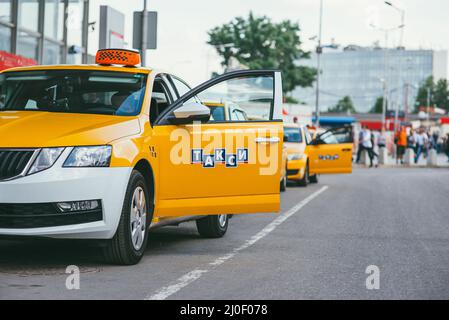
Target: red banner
[[9, 60]]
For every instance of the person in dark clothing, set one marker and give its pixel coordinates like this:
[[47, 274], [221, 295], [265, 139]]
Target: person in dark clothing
[[360, 148]]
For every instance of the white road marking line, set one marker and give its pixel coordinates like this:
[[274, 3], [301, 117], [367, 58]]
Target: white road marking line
[[193, 275]]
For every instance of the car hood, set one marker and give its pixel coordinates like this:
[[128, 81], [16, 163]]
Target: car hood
[[34, 129], [293, 147]]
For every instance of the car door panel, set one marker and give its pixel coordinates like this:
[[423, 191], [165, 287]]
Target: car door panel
[[331, 152], [227, 167]]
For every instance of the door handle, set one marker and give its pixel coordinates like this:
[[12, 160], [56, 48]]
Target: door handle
[[346, 150], [267, 140]]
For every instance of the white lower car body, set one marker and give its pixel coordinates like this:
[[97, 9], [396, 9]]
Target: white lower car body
[[59, 184]]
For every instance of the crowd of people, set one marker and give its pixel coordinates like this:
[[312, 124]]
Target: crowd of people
[[420, 140]]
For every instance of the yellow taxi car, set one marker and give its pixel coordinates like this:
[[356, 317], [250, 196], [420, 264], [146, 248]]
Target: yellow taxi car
[[106, 151], [322, 152]]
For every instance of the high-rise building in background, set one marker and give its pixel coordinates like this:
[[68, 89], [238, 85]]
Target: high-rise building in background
[[359, 72], [35, 30]]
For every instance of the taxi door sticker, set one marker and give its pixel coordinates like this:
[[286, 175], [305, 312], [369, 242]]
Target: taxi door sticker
[[328, 157], [220, 156]]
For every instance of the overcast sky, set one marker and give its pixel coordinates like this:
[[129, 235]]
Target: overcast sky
[[183, 26]]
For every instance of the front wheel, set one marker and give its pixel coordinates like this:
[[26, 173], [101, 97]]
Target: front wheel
[[313, 179], [130, 240], [213, 226]]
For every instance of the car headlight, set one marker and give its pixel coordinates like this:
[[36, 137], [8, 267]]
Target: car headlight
[[99, 156], [45, 159], [294, 156]]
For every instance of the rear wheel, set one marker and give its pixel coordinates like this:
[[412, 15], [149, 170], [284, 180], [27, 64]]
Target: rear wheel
[[305, 179], [213, 226], [129, 242]]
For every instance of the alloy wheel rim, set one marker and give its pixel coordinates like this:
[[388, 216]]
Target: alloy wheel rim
[[222, 220], [138, 218]]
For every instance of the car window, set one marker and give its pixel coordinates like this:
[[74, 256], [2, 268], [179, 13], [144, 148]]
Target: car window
[[160, 99], [180, 86], [252, 95], [217, 113], [73, 91], [336, 136], [293, 134], [308, 136]]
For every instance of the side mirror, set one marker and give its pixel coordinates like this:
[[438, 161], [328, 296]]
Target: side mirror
[[190, 112]]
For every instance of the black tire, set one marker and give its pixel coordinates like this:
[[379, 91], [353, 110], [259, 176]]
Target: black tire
[[313, 179], [120, 249], [305, 180], [283, 186], [210, 226]]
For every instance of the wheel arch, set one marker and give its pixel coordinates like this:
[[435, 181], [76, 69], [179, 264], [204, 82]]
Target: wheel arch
[[144, 167]]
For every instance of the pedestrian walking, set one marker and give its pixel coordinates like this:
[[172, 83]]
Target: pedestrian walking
[[421, 143], [360, 145], [367, 143], [401, 144], [446, 146], [382, 140]]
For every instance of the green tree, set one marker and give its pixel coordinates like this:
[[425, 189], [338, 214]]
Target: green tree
[[343, 105], [421, 98], [378, 105], [259, 43], [441, 94]]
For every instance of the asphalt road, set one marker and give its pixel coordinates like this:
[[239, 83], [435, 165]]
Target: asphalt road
[[319, 248]]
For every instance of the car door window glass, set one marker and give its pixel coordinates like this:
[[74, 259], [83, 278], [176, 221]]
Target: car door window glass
[[336, 136], [160, 99], [252, 96], [180, 86]]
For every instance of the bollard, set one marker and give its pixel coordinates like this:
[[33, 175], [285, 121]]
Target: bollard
[[409, 157], [365, 158], [432, 159], [383, 156]]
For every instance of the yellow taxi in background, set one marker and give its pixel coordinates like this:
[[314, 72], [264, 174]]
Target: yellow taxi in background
[[107, 151], [328, 152]]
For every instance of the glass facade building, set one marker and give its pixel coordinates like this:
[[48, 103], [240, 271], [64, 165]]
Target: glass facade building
[[47, 31], [360, 73]]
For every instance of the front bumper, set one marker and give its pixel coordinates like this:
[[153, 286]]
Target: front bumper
[[296, 169], [59, 184]]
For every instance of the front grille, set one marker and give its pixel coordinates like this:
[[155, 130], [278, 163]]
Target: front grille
[[292, 172], [40, 215], [13, 162]]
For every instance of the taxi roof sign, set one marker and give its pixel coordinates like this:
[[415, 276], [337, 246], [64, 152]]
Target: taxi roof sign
[[125, 57]]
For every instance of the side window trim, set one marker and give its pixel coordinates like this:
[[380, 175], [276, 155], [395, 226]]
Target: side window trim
[[224, 77]]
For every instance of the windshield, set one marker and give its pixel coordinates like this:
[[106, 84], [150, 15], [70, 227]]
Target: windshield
[[217, 113], [293, 134], [73, 91]]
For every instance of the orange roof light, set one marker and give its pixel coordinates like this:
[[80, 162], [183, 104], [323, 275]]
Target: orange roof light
[[129, 58]]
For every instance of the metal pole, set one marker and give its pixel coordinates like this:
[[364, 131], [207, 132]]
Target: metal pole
[[401, 41], [428, 107], [384, 102], [144, 33], [318, 59]]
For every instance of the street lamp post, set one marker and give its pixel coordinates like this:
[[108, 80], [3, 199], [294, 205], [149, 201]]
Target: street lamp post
[[402, 12], [402, 27], [144, 32], [319, 50]]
